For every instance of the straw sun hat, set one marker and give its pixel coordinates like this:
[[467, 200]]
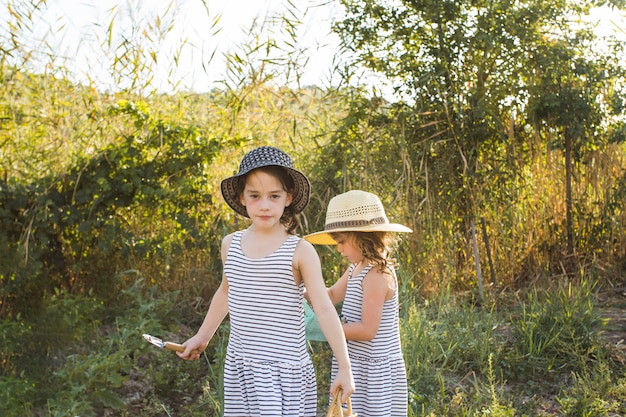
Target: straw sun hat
[[354, 211], [263, 157]]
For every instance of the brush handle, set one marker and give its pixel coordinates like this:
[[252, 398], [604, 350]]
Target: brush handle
[[174, 346]]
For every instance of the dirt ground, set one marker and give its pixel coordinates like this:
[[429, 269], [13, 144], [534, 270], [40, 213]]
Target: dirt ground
[[612, 306]]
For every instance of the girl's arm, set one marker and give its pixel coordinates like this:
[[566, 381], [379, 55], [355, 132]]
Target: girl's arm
[[214, 317], [308, 268], [337, 292], [377, 288]]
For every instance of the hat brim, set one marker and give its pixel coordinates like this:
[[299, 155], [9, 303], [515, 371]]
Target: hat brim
[[324, 237], [299, 199]]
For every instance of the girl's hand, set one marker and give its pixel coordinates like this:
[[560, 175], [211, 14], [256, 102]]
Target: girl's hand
[[193, 348], [344, 381]]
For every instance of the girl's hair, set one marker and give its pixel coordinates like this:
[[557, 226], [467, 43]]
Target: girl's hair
[[376, 247], [289, 219]]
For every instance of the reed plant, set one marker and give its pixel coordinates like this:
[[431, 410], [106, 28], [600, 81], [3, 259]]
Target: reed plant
[[99, 188]]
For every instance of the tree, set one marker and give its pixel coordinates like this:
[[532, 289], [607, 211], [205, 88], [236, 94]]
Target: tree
[[571, 87], [465, 69]]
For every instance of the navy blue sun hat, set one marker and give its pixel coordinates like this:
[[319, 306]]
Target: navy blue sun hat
[[262, 157]]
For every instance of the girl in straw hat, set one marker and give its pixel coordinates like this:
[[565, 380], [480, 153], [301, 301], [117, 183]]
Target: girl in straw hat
[[268, 371], [356, 222]]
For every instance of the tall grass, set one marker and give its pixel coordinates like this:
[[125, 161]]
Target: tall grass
[[534, 339], [466, 360]]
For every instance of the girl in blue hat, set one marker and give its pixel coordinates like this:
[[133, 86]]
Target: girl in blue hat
[[268, 370]]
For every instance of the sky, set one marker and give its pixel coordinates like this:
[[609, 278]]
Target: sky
[[202, 32]]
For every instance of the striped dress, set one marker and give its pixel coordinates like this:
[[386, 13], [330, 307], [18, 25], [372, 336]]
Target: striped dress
[[268, 371], [377, 365]]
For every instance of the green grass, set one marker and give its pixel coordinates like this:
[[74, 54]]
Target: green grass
[[540, 355]]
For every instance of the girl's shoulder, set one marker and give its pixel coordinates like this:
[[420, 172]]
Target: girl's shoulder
[[303, 246], [386, 274], [229, 237], [382, 281], [305, 252], [226, 241]]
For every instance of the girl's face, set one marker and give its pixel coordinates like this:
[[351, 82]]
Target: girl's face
[[347, 246], [265, 198]]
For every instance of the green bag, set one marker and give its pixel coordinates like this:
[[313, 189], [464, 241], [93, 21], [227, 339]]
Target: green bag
[[312, 327]]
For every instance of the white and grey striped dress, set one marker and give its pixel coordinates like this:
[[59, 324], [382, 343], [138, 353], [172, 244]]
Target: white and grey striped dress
[[377, 365], [268, 370]]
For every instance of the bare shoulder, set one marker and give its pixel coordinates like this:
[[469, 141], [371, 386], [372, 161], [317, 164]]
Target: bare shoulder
[[226, 241], [306, 263], [376, 272], [305, 245], [383, 278], [305, 253]]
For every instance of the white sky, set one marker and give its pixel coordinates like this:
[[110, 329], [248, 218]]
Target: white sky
[[77, 30]]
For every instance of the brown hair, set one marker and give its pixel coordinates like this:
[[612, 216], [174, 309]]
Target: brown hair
[[289, 219], [375, 246]]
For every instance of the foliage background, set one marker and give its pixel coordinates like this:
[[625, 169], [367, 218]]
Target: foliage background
[[506, 122]]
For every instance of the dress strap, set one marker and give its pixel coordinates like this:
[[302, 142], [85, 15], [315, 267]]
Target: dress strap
[[364, 271]]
